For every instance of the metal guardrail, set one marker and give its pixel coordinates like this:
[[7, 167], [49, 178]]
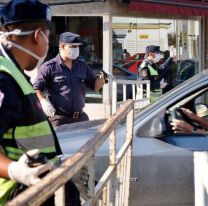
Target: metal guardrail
[[139, 94], [111, 189]]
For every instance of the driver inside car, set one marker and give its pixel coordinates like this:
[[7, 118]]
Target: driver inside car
[[181, 126]]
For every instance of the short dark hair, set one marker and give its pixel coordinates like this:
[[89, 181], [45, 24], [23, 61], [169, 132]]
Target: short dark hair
[[26, 26]]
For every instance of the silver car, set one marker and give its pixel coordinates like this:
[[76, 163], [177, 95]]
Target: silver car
[[162, 164]]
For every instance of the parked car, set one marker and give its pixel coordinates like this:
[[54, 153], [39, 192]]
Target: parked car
[[186, 69], [133, 62], [120, 73], [162, 164]]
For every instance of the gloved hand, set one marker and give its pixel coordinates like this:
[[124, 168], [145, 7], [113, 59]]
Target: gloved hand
[[163, 84], [48, 108], [20, 172], [104, 75], [173, 52]]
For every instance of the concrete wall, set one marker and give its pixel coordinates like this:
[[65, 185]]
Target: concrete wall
[[113, 7]]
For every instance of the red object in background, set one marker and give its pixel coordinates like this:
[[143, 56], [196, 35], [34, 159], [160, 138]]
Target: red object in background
[[133, 62], [176, 7]]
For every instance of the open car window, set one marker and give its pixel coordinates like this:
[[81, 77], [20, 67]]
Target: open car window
[[159, 125]]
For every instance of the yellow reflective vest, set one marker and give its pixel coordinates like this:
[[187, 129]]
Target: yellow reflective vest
[[33, 130]]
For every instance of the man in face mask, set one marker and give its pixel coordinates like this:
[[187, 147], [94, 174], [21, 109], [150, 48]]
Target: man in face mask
[[65, 78], [152, 70], [24, 127]]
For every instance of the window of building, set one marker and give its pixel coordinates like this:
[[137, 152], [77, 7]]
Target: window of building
[[134, 34]]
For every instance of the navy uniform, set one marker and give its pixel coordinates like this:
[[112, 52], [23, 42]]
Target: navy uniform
[[23, 125], [66, 87]]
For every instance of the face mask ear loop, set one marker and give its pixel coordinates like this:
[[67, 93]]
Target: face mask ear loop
[[3, 52], [44, 36], [25, 50], [19, 33]]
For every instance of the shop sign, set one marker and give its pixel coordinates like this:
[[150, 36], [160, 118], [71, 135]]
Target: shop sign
[[144, 36]]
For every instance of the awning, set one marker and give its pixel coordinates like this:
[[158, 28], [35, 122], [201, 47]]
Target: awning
[[178, 7]]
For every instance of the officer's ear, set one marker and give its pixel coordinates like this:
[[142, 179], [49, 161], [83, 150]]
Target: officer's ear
[[61, 45], [37, 35]]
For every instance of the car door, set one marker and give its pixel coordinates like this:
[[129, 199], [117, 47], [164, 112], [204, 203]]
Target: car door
[[162, 164]]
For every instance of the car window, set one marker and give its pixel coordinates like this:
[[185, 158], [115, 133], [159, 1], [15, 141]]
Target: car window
[[139, 57], [120, 72], [158, 125], [128, 64]]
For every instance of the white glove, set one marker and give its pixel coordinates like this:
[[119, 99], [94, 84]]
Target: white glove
[[173, 52], [163, 84], [47, 107], [19, 171]]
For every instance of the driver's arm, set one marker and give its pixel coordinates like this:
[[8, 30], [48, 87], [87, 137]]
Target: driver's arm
[[200, 120], [180, 126]]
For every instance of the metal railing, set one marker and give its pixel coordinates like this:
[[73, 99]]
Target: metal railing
[[139, 94], [113, 186]]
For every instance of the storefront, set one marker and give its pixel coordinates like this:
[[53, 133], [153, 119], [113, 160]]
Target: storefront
[[108, 27]]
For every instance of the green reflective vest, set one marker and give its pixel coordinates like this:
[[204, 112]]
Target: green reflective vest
[[153, 72], [32, 131]]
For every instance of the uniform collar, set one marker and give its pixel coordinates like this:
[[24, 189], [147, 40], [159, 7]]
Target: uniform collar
[[58, 59]]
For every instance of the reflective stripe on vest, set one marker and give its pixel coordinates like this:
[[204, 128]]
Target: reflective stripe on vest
[[36, 134], [153, 72]]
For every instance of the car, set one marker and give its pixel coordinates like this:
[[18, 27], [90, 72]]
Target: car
[[186, 69], [162, 162], [134, 62]]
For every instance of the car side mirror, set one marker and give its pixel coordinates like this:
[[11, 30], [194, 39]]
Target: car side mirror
[[201, 110]]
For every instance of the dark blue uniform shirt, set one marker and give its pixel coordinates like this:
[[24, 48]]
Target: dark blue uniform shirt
[[66, 87]]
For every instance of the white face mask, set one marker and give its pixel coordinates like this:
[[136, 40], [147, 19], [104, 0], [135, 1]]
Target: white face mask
[[157, 58], [73, 53], [10, 44]]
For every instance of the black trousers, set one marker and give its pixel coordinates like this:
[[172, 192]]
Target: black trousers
[[72, 196], [58, 120]]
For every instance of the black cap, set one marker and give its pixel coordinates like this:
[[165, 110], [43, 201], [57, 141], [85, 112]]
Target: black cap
[[20, 11], [153, 48], [71, 38]]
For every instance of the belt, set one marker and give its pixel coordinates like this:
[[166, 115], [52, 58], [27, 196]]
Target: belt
[[74, 115]]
